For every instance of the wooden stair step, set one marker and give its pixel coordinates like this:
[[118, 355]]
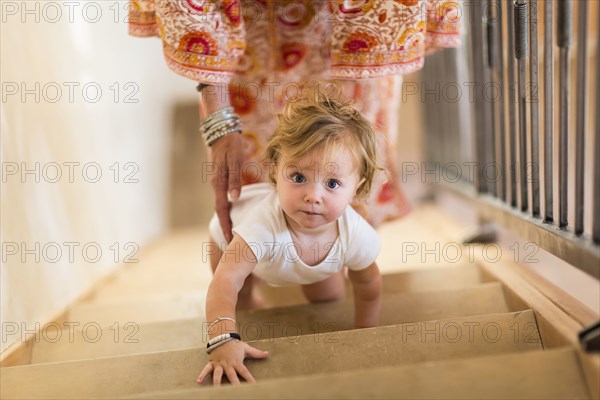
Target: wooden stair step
[[395, 309], [163, 307], [429, 279], [270, 323], [181, 305], [359, 349], [552, 374]]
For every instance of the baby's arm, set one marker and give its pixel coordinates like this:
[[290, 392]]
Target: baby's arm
[[235, 265], [367, 296]]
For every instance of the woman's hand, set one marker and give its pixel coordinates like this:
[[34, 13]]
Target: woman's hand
[[227, 158], [229, 359], [226, 155]]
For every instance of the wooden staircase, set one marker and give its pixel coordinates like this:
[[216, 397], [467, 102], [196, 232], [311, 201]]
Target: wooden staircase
[[475, 330]]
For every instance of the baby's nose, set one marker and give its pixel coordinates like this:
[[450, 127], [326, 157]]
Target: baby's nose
[[312, 196]]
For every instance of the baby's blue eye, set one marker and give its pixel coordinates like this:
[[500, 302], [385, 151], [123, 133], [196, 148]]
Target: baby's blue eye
[[298, 178], [333, 183]]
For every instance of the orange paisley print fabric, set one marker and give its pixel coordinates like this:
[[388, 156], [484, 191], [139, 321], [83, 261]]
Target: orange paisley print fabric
[[260, 49], [207, 40]]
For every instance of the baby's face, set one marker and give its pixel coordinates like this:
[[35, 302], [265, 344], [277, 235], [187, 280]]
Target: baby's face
[[314, 191]]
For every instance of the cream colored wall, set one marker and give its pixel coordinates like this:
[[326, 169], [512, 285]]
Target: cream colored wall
[[62, 46]]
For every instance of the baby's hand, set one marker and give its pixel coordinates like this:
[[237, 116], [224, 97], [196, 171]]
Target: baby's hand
[[229, 359]]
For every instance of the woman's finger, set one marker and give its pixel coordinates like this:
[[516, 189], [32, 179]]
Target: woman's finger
[[226, 154], [234, 176], [204, 373], [222, 208]]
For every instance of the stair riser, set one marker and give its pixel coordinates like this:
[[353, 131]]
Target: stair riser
[[451, 278]]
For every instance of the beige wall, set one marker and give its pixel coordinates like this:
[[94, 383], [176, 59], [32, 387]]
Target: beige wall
[[52, 214]]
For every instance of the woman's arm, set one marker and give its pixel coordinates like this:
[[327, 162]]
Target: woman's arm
[[226, 157], [236, 264], [367, 296]]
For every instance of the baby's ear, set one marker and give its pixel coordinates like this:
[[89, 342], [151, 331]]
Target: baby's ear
[[360, 183]]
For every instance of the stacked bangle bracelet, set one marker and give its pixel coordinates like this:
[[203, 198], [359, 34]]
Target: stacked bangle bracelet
[[220, 123]]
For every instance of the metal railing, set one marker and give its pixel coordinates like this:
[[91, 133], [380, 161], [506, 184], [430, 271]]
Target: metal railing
[[503, 117]]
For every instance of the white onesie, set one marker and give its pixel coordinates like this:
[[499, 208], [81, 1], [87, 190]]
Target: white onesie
[[258, 219]]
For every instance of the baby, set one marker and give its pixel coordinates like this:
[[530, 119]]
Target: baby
[[298, 229]]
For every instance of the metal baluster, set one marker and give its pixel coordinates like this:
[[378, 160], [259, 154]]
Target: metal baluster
[[521, 34], [477, 46], [442, 111], [492, 62], [565, 27], [581, 115], [596, 197], [500, 66], [534, 109], [487, 145], [548, 110], [510, 64]]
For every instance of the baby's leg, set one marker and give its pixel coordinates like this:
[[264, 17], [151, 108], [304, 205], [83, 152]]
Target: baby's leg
[[245, 300], [332, 288]]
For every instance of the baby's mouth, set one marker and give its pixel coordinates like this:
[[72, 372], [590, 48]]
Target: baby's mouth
[[310, 212]]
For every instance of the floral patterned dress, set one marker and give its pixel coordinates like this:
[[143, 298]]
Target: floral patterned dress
[[258, 50]]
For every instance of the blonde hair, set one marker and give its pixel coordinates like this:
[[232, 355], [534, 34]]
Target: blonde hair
[[319, 120]]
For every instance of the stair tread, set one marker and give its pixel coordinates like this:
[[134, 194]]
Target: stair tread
[[181, 305], [304, 355], [426, 279], [538, 374], [163, 307], [274, 322]]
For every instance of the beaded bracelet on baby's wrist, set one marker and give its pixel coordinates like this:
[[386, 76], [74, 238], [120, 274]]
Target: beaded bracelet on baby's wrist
[[220, 340]]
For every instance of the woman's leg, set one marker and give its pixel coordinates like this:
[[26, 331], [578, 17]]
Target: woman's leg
[[331, 289], [245, 299]]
